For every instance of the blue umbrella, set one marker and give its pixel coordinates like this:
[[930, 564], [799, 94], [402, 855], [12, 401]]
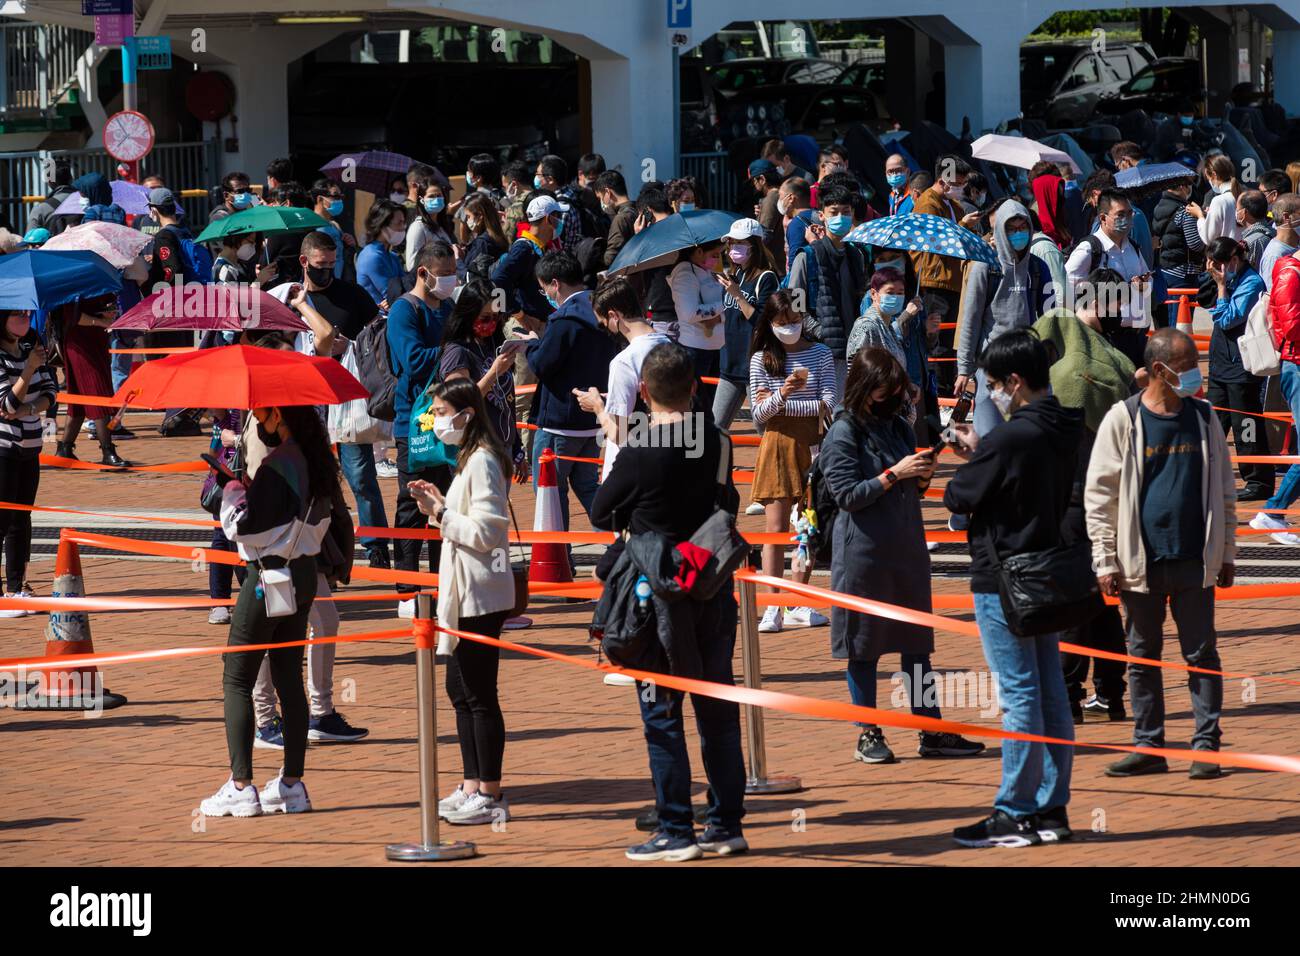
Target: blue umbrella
[[919, 232], [1156, 176], [40, 279], [658, 245]]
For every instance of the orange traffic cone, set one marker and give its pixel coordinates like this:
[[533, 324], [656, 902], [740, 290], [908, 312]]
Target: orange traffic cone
[[78, 687], [549, 563], [1185, 314]]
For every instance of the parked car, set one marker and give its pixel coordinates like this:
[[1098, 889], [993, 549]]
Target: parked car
[[869, 76], [1158, 88], [822, 111], [1061, 83], [733, 76]]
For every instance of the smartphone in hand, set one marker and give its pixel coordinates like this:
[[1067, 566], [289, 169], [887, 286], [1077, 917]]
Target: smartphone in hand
[[223, 471]]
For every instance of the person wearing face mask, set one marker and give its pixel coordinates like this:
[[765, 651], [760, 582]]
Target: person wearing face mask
[[1238, 288], [277, 519], [1015, 487], [1220, 219], [697, 304], [831, 160], [1256, 228], [896, 173], [792, 389], [897, 325], [611, 191], [377, 263], [831, 276], [1181, 250], [328, 197], [1285, 241], [397, 191], [431, 223], [414, 333], [942, 275], [27, 390], [1161, 509], [553, 176], [794, 203], [517, 180], [877, 478], [681, 194], [474, 596], [487, 243], [237, 262], [236, 196], [997, 302], [749, 277]]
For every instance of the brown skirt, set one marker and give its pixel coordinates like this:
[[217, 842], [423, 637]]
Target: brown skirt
[[784, 457]]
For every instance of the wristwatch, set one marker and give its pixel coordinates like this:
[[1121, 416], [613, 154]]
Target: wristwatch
[[437, 515], [889, 473]]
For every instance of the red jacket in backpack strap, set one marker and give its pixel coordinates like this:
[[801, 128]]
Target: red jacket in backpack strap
[[1284, 305]]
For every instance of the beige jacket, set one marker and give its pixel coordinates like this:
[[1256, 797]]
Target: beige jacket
[[1114, 490], [474, 574]]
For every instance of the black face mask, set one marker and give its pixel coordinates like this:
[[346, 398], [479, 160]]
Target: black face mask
[[1110, 324], [322, 276], [268, 438], [887, 408]]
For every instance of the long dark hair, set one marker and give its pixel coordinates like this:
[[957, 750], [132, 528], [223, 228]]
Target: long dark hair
[[441, 220], [309, 432], [462, 393], [764, 339], [378, 217], [760, 258], [489, 219], [469, 304], [871, 369]]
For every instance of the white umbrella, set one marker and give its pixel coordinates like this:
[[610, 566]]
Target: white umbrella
[[116, 243], [1018, 151]]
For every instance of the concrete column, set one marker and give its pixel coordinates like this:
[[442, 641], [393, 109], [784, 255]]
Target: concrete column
[[1286, 78], [982, 67], [632, 112], [907, 61]]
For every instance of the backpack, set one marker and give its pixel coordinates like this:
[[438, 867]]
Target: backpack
[[811, 273], [1258, 354], [590, 253], [1097, 250], [375, 367], [825, 507], [196, 259]]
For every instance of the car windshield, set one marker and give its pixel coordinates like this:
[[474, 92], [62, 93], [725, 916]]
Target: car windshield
[[1042, 68], [742, 76], [1162, 78]]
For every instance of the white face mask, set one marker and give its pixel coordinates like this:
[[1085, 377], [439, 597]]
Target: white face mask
[[1002, 400], [783, 205], [246, 252], [397, 197], [394, 236], [446, 432], [443, 286], [788, 334]]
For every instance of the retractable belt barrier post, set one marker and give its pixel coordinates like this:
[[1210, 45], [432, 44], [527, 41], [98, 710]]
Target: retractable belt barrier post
[[430, 848], [751, 668]]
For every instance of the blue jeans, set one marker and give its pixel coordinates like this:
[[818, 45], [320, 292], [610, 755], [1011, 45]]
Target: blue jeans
[[120, 365], [584, 477], [718, 722], [863, 676], [1289, 489], [358, 463], [1031, 690]]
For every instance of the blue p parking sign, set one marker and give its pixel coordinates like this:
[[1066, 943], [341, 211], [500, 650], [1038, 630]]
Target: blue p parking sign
[[679, 14]]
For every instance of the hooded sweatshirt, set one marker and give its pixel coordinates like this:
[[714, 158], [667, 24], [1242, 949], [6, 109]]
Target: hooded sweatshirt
[[1017, 486], [994, 303], [1089, 373]]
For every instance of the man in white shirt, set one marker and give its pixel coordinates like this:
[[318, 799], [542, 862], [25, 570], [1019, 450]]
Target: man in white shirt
[[1110, 248], [1286, 217], [619, 312]]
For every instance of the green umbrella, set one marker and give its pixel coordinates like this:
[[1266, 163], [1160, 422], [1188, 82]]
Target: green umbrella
[[263, 219]]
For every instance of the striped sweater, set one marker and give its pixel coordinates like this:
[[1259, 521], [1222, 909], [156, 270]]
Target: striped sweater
[[819, 395], [21, 437]]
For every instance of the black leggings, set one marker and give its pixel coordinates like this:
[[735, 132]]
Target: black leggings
[[408, 515], [472, 687], [19, 478]]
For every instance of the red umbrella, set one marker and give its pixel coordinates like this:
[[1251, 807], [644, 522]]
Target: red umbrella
[[239, 376], [215, 306]]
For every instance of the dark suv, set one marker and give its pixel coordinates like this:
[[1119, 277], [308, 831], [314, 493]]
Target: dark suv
[[1158, 88], [1061, 83]]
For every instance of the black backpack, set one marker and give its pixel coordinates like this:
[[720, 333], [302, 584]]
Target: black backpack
[[375, 368], [824, 506]]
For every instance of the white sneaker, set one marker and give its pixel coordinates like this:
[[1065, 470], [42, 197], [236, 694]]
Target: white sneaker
[[452, 803], [1267, 522], [230, 801], [771, 622], [480, 808], [279, 797], [219, 615], [931, 545], [14, 611], [406, 608], [619, 680], [24, 593], [805, 617], [755, 509], [385, 469]]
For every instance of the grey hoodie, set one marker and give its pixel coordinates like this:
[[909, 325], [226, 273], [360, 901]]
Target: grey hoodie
[[993, 303]]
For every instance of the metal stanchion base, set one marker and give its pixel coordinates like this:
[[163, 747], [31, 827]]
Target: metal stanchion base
[[420, 853], [775, 784]]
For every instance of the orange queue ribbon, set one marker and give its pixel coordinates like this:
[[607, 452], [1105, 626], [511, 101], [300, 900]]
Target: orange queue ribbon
[[102, 604], [424, 631], [173, 468], [165, 350]]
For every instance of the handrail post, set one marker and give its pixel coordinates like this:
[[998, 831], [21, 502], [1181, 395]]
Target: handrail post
[[758, 780]]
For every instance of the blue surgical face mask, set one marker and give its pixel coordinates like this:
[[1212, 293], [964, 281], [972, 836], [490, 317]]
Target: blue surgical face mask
[[1019, 239], [434, 205], [559, 227], [470, 181], [1187, 120], [1230, 276], [685, 206], [335, 208], [1189, 382], [895, 179], [241, 200], [891, 303], [537, 182], [839, 226]]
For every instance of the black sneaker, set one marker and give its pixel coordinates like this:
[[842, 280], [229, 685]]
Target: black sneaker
[[1137, 765], [662, 846], [999, 829], [333, 727], [122, 433], [1076, 712], [722, 842], [1205, 771], [872, 747], [1096, 704], [1116, 711], [647, 821], [1054, 826], [380, 559], [947, 745]]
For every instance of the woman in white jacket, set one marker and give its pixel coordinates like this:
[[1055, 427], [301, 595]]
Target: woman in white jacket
[[1220, 219], [476, 591], [697, 299]]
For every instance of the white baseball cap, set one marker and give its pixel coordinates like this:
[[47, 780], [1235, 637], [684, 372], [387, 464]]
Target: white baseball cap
[[543, 206], [746, 229]]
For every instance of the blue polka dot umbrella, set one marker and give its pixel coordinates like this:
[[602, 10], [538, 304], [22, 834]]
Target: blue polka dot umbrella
[[919, 232]]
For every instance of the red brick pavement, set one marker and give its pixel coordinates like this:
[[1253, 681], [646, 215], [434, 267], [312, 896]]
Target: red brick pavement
[[124, 788]]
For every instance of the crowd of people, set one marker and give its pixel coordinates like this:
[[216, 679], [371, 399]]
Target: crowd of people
[[1086, 431]]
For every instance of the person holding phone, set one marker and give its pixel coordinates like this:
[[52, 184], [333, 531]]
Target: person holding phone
[[877, 478], [697, 300], [792, 388], [747, 281], [27, 390]]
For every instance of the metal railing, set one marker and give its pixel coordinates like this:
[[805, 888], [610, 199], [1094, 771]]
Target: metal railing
[[711, 170], [38, 63], [182, 166]]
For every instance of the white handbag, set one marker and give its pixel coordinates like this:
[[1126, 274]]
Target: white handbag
[[1258, 355], [276, 584]]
